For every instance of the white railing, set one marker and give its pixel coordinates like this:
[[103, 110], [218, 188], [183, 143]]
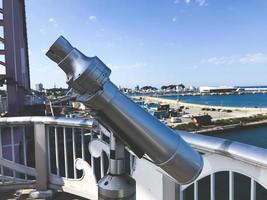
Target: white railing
[[240, 169], [49, 153], [56, 149]]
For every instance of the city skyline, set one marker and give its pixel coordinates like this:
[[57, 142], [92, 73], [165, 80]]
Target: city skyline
[[197, 42]]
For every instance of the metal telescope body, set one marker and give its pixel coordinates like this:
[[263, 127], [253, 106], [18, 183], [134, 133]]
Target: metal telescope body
[[138, 129]]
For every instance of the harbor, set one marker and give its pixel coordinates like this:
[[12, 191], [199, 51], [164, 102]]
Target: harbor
[[222, 118]]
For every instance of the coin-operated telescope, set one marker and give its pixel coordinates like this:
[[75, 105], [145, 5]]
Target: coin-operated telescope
[[131, 124]]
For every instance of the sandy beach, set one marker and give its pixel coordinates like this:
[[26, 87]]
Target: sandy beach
[[196, 109]]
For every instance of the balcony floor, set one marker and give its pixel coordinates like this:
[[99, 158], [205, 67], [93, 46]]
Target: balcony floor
[[24, 195]]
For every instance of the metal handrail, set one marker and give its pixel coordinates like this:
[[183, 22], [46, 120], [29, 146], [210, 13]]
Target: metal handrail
[[243, 152], [239, 151], [75, 122]]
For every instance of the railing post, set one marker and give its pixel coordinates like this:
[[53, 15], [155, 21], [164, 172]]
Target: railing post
[[252, 189], [41, 162], [231, 185], [212, 186], [171, 189]]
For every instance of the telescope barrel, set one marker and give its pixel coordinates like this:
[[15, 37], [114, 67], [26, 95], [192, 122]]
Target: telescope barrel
[[138, 129]]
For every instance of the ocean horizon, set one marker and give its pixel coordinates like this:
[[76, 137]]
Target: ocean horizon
[[235, 100]]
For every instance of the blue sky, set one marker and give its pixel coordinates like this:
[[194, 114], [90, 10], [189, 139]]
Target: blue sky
[[154, 42]]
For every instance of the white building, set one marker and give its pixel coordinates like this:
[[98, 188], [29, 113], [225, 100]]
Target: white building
[[206, 89], [39, 87]]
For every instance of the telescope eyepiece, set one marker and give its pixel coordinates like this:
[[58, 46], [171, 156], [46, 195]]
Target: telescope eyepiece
[[59, 50], [84, 74]]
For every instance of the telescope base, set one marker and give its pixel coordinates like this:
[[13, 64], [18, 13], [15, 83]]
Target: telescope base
[[117, 187]]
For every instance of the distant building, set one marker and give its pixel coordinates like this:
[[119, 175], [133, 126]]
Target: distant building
[[169, 88], [191, 88], [220, 89], [201, 120], [137, 88], [255, 89], [180, 87], [39, 87], [161, 114], [165, 107], [173, 88], [148, 89], [152, 106], [125, 90]]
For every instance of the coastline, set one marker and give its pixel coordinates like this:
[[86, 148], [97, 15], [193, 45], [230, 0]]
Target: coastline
[[180, 103], [237, 113]]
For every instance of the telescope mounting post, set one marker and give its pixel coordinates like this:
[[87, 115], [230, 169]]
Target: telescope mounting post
[[117, 184]]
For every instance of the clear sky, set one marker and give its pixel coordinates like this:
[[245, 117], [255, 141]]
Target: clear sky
[[154, 42]]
